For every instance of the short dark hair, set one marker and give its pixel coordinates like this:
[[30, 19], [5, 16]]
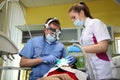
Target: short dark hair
[[53, 21]]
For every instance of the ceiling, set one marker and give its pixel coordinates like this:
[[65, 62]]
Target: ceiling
[[36, 3]]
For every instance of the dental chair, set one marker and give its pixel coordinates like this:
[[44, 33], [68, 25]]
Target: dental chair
[[116, 67]]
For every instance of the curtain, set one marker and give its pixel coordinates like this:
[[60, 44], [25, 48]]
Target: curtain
[[15, 16]]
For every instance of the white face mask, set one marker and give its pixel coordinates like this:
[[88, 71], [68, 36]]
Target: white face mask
[[78, 22], [50, 39]]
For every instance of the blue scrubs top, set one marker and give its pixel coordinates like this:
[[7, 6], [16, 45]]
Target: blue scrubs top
[[38, 47]]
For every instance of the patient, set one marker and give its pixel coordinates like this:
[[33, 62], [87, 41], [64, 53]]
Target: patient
[[64, 71], [60, 76], [57, 77]]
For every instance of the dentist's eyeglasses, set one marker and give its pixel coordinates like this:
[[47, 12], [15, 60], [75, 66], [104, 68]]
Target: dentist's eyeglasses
[[55, 33]]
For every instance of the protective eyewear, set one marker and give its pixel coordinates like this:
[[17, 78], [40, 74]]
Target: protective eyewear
[[55, 33]]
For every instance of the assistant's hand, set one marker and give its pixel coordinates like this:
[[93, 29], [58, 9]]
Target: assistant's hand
[[49, 59], [73, 48], [71, 59]]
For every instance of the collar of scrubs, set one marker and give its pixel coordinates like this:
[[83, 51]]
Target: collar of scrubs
[[87, 21]]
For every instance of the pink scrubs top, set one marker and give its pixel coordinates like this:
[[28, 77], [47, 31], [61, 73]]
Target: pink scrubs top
[[94, 32]]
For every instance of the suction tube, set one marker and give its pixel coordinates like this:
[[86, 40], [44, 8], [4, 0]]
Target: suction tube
[[87, 61]]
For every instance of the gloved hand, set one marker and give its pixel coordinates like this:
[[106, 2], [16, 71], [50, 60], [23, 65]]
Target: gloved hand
[[49, 59], [73, 48], [71, 59]]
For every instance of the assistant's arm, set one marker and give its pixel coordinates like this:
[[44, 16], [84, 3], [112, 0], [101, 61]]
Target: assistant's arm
[[101, 46]]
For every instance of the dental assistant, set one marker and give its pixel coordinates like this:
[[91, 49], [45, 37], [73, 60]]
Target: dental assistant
[[41, 53], [94, 40]]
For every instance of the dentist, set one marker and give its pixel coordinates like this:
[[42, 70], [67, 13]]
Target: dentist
[[41, 53]]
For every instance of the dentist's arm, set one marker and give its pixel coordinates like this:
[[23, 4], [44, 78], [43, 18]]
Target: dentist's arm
[[25, 62]]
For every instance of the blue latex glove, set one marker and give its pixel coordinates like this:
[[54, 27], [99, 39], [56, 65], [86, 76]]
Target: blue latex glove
[[71, 59], [73, 48], [49, 59]]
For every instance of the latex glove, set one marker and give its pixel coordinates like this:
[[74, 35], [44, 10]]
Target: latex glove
[[49, 59], [71, 59], [73, 48]]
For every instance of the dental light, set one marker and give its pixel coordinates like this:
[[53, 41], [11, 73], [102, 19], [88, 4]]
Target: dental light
[[7, 47]]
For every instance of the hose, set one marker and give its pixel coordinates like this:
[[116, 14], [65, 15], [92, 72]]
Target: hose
[[87, 61]]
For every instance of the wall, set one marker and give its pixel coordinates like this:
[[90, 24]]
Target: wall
[[40, 14], [106, 10]]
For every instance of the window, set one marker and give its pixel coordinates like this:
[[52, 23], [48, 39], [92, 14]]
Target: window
[[117, 43]]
